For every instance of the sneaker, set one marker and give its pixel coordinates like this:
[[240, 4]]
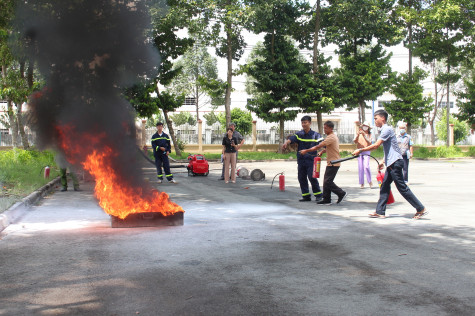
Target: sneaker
[[319, 197], [77, 189], [160, 181], [222, 178], [341, 198], [323, 202], [305, 199], [172, 181]]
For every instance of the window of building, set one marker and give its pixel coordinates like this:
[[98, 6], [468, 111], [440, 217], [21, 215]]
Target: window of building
[[443, 105], [189, 101]]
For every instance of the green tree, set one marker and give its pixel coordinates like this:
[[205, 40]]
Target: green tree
[[18, 79], [242, 119], [278, 79], [355, 25], [183, 118], [409, 106], [211, 118], [446, 33], [321, 95], [363, 76], [461, 129], [227, 21], [466, 101], [197, 68]]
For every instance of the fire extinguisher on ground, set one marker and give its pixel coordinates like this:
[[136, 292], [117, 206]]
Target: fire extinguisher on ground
[[380, 178], [47, 170], [317, 161], [281, 181]]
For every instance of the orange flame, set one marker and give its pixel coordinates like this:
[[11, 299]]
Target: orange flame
[[115, 196]]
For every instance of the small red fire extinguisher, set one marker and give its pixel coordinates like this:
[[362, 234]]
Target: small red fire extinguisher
[[380, 178], [282, 182], [317, 161], [47, 169]]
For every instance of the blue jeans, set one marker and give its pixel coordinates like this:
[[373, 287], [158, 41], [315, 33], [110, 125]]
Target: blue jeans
[[405, 169], [394, 173]]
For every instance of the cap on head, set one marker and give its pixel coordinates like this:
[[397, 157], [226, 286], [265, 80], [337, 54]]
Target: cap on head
[[366, 123]]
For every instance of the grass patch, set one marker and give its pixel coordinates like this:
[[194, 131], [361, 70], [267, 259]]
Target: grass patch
[[443, 152], [21, 172]]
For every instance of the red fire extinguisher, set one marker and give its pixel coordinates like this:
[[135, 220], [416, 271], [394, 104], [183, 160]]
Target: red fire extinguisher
[[282, 182], [380, 178], [47, 169], [317, 161]]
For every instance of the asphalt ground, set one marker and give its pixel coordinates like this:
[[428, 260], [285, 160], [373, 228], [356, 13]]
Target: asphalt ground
[[245, 249]]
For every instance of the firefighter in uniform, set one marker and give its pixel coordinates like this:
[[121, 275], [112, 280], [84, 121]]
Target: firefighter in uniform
[[306, 138], [161, 149]]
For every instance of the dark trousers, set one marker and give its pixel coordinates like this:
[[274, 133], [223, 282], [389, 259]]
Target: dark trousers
[[162, 159], [394, 173], [64, 179], [305, 171], [329, 186], [222, 171], [405, 168]]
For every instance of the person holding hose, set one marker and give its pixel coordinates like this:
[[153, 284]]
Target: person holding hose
[[394, 164]]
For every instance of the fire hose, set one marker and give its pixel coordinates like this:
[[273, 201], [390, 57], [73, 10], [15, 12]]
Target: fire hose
[[380, 176], [153, 162]]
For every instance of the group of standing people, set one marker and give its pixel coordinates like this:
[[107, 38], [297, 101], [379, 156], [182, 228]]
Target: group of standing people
[[397, 152]]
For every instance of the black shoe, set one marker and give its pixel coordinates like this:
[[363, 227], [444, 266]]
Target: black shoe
[[305, 199], [341, 198], [64, 189], [222, 178], [77, 189], [318, 197], [323, 202]]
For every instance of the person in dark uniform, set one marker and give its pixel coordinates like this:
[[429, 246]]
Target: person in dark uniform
[[161, 149], [305, 139]]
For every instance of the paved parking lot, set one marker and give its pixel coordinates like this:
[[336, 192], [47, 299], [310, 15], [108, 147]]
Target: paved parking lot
[[245, 249]]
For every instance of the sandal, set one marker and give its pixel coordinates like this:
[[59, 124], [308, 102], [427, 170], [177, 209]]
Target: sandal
[[420, 214], [376, 215]]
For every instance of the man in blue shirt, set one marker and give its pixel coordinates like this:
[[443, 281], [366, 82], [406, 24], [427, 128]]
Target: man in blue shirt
[[305, 139], [394, 165], [161, 149]]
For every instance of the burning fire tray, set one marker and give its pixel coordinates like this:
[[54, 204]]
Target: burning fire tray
[[149, 219]]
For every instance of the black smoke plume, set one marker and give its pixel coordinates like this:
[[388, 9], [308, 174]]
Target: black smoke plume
[[88, 51]]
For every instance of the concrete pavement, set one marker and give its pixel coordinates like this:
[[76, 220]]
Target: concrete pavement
[[249, 250]]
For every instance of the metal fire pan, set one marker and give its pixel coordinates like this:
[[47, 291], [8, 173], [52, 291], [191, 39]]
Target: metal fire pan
[[148, 219]]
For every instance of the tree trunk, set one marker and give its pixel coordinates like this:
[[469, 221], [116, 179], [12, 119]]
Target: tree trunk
[[448, 107], [315, 59], [13, 123], [197, 103], [19, 116], [362, 111], [172, 132], [229, 57], [170, 126], [320, 122], [281, 134], [436, 106], [21, 128]]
